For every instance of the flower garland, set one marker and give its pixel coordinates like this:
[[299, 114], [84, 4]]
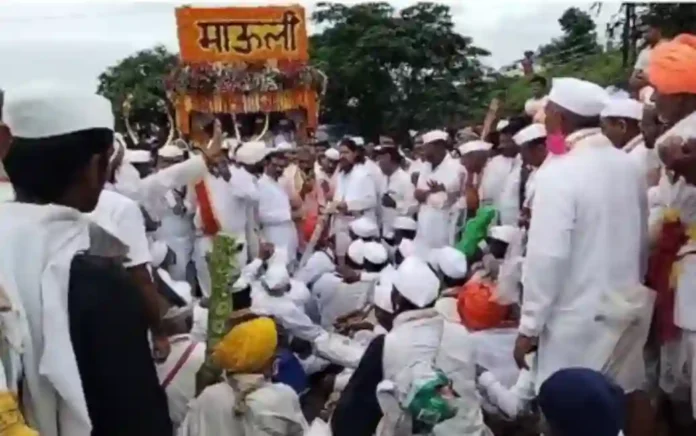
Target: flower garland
[[219, 79]]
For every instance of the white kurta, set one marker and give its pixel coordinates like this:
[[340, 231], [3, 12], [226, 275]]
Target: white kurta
[[150, 191], [508, 202], [646, 159], [51, 235], [587, 241], [493, 179], [285, 311], [357, 189], [401, 189], [176, 230], [435, 217], [275, 216], [122, 217], [320, 262], [274, 409], [230, 201], [182, 387]]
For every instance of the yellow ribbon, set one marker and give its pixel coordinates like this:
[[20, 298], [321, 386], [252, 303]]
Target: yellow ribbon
[[671, 215]]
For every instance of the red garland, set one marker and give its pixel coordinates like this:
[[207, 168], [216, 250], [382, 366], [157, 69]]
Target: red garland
[[660, 263]]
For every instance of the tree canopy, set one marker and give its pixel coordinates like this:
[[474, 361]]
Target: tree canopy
[[142, 76], [579, 38], [391, 71]]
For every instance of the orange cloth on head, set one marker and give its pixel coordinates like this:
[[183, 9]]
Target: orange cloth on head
[[477, 308], [672, 66]]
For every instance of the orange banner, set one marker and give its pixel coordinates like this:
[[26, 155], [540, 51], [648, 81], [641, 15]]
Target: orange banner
[[242, 34]]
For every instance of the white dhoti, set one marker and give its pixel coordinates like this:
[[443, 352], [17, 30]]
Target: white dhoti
[[182, 246], [610, 340], [340, 228]]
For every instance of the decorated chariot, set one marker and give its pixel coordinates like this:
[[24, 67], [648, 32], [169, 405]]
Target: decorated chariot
[[245, 61]]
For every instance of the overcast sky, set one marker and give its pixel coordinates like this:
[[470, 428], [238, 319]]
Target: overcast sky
[[72, 41]]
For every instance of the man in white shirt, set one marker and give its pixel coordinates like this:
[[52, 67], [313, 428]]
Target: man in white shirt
[[436, 191], [532, 142], [355, 196], [621, 123], [275, 214], [421, 336], [176, 219], [81, 310], [177, 374], [226, 206], [652, 37], [586, 251], [508, 166], [397, 199]]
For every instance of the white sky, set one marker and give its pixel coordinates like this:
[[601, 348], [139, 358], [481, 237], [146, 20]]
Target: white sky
[[77, 41]]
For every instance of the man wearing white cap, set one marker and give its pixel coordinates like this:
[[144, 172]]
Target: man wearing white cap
[[177, 374], [227, 207], [404, 228], [325, 171], [474, 157], [621, 123], [72, 347], [438, 184], [420, 335], [532, 142], [397, 199], [593, 191], [451, 264], [507, 166], [176, 220]]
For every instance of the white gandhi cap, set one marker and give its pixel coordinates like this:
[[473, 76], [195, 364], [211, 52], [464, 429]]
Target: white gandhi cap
[[405, 223], [472, 146], [364, 227], [251, 153], [503, 233], [416, 282], [356, 252], [451, 262], [375, 253], [45, 109], [623, 108], [276, 276], [332, 154], [530, 133], [435, 135], [170, 151], [578, 96], [137, 156]]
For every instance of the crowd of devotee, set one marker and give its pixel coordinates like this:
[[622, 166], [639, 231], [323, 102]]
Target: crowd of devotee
[[529, 276]]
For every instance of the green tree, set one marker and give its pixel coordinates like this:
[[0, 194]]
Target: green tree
[[391, 71], [630, 19], [579, 38], [141, 75]]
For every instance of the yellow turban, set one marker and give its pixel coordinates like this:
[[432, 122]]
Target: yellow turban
[[672, 66], [248, 347]]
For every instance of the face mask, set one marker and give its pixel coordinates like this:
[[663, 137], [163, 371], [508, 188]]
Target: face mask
[[555, 143]]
